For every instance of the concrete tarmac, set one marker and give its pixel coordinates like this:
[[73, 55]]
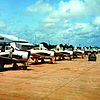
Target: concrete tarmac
[[78, 79]]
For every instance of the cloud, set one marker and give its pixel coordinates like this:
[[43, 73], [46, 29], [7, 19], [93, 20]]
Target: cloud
[[84, 28], [60, 26], [40, 7], [71, 8], [70, 21], [67, 21], [92, 6], [75, 8], [96, 21]]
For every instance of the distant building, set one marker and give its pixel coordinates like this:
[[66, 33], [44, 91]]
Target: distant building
[[14, 41]]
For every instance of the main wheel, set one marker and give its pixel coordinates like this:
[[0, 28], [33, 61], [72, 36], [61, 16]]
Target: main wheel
[[24, 67], [42, 61]]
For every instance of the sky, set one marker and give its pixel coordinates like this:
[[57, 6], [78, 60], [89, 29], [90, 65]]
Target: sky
[[75, 22]]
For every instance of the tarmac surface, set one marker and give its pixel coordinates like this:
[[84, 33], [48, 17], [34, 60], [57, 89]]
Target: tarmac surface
[[78, 79]]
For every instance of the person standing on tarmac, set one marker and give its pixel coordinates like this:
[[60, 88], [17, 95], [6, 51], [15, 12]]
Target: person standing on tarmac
[[11, 51]]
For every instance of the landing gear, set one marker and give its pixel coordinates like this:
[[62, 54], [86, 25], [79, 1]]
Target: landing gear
[[1, 66], [51, 61], [15, 66], [42, 61]]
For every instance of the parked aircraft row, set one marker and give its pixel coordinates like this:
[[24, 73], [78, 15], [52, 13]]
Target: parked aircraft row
[[12, 55]]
